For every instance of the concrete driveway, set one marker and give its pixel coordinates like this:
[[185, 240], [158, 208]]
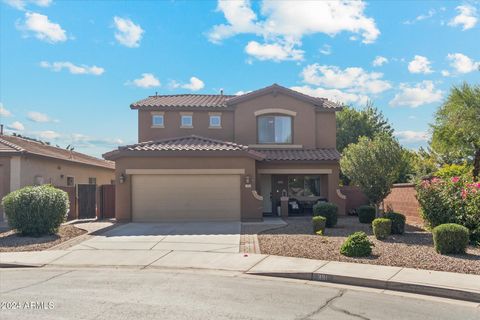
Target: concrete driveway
[[186, 236]]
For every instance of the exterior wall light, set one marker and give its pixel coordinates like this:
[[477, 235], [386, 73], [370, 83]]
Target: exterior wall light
[[122, 178]]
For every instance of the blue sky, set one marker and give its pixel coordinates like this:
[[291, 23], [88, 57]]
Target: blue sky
[[70, 69]]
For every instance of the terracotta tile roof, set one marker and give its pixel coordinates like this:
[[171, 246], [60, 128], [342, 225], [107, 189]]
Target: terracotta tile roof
[[189, 143], [183, 100], [224, 101], [12, 144], [300, 154]]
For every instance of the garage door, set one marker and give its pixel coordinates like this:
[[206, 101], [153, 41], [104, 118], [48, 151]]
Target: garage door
[[185, 197]]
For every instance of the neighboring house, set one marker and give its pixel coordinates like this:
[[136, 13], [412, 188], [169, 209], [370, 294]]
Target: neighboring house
[[222, 157], [25, 162]]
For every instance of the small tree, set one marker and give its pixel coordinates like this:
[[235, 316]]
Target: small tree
[[373, 165]]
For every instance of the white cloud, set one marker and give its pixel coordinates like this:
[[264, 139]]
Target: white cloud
[[128, 33], [4, 112], [445, 73], [379, 61], [420, 64], [21, 4], [276, 51], [49, 134], [16, 126], [148, 80], [195, 84], [239, 93], [39, 117], [82, 140], [462, 64], [467, 17], [43, 28], [334, 95], [352, 79], [409, 136], [421, 17], [281, 28], [72, 68], [420, 94], [326, 50]]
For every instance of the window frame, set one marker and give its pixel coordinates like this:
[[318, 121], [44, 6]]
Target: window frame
[[186, 116], [304, 179], [90, 179], [213, 116], [156, 125], [275, 115]]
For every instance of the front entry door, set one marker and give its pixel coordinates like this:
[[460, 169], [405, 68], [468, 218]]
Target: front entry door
[[279, 185]]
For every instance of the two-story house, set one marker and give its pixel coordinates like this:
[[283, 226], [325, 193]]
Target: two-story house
[[223, 157]]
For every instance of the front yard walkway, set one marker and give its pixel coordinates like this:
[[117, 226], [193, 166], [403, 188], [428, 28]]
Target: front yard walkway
[[414, 249]]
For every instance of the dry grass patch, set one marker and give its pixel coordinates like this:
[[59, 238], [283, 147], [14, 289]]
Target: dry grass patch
[[414, 249], [11, 241]]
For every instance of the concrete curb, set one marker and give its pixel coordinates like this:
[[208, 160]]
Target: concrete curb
[[443, 292]]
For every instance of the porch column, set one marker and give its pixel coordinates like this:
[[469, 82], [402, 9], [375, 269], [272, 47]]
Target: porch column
[[284, 207]]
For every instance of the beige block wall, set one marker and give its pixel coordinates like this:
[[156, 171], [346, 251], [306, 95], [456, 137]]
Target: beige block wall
[[251, 208], [201, 123], [53, 169]]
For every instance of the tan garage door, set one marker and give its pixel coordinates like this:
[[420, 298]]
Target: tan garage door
[[185, 197]]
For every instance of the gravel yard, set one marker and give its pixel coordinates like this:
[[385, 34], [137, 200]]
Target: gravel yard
[[11, 241], [414, 249]]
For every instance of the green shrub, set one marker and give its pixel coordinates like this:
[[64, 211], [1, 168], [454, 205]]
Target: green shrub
[[357, 245], [327, 210], [450, 238], [454, 200], [318, 223], [382, 228], [36, 211], [366, 214], [398, 222]]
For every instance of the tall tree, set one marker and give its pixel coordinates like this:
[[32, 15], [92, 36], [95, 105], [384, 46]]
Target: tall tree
[[373, 165], [353, 124], [456, 128]]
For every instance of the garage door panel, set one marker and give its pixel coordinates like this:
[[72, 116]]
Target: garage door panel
[[185, 197]]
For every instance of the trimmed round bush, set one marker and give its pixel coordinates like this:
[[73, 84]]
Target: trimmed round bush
[[366, 214], [319, 223], [450, 238], [327, 210], [357, 245], [36, 211], [398, 222], [381, 228]]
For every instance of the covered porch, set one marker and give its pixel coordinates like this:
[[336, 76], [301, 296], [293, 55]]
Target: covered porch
[[293, 189]]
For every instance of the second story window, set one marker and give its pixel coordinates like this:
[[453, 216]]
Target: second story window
[[274, 129], [157, 120], [186, 121], [215, 121]]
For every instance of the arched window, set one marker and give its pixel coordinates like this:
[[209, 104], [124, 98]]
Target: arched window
[[274, 129]]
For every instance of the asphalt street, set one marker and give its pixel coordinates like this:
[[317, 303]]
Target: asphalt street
[[121, 293]]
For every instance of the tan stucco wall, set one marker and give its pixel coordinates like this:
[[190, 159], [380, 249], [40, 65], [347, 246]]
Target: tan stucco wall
[[311, 128], [4, 180], [201, 122], [251, 208], [52, 169], [303, 122], [331, 183], [326, 130]]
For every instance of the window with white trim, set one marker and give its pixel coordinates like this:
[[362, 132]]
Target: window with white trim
[[215, 121], [157, 120], [186, 121]]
